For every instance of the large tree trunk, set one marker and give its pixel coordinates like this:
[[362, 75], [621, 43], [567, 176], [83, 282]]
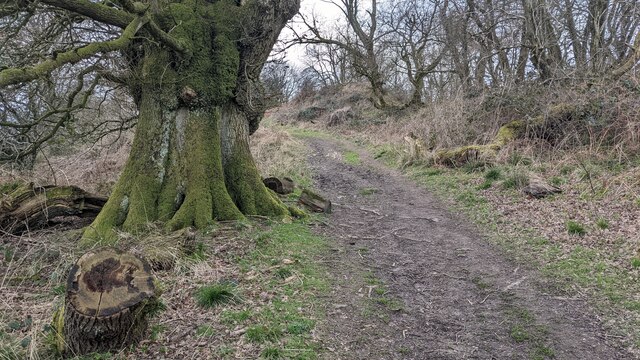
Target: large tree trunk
[[243, 180], [190, 162]]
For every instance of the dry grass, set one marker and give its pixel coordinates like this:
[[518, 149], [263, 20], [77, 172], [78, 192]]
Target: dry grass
[[94, 168], [33, 268], [279, 154]]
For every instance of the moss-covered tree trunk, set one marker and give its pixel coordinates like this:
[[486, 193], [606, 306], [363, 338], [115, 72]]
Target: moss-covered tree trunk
[[190, 162], [242, 178]]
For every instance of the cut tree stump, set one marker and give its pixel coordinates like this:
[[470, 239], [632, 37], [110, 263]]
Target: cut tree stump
[[29, 207], [315, 202], [282, 186], [108, 300]]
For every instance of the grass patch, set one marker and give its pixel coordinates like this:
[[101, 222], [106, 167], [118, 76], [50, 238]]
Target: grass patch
[[231, 317], [517, 179], [485, 185], [493, 174], [214, 295], [295, 306], [199, 253], [205, 331], [262, 333], [351, 158], [156, 330], [368, 191], [272, 353], [575, 228], [519, 334], [602, 224], [301, 326]]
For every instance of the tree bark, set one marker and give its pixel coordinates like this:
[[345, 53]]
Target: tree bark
[[282, 186], [190, 162], [29, 207], [242, 178], [108, 300], [315, 202]]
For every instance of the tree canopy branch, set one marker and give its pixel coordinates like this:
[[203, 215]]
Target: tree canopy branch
[[95, 11], [19, 75]]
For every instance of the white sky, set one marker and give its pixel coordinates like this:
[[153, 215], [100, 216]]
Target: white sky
[[325, 11]]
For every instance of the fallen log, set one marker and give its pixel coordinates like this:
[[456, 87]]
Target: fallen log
[[539, 189], [27, 207], [281, 186], [543, 126], [110, 296], [315, 202]]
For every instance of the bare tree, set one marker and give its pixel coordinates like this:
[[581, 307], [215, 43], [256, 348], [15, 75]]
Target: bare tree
[[361, 41], [414, 34]]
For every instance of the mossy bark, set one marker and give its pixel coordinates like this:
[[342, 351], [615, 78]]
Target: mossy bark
[[175, 174], [243, 180], [190, 162]]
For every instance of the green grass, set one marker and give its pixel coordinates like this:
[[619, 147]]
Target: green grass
[[519, 334], [368, 191], [231, 317], [263, 333], [155, 332], [302, 326], [576, 228], [351, 158], [295, 306], [635, 262], [602, 224], [214, 295], [493, 174], [517, 179], [485, 185], [199, 253], [272, 353]]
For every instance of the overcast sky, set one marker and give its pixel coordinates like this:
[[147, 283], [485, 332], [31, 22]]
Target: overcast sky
[[325, 11]]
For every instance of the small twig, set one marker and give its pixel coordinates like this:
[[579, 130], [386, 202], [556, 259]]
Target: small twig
[[371, 211], [515, 283], [486, 297]]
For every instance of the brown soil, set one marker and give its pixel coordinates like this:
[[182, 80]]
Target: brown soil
[[413, 281]]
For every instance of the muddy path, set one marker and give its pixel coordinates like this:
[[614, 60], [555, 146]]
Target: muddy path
[[414, 281]]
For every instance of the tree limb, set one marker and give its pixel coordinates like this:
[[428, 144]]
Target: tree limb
[[95, 11], [15, 76]]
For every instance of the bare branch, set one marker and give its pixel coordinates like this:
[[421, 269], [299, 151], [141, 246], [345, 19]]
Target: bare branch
[[16, 76]]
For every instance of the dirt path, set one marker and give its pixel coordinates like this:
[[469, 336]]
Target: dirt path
[[413, 281]]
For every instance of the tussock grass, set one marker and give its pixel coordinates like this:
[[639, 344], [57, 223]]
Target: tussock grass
[[213, 295], [576, 228]]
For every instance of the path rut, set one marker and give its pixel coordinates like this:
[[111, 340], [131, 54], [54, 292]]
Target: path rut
[[460, 297]]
